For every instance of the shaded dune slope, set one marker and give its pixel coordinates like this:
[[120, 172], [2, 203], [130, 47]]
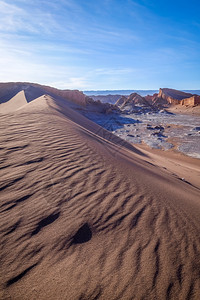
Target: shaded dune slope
[[85, 216]]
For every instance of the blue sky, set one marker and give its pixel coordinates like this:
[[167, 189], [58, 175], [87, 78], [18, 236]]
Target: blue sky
[[101, 44]]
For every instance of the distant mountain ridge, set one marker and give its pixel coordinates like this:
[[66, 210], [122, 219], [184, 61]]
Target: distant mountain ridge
[[165, 98], [111, 96], [120, 92], [128, 92]]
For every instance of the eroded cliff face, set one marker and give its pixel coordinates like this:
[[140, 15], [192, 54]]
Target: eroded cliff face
[[150, 98], [192, 101], [121, 101], [72, 95], [173, 96], [156, 101], [132, 100], [137, 99], [165, 98]]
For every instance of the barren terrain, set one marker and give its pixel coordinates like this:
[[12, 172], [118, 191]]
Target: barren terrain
[[86, 215]]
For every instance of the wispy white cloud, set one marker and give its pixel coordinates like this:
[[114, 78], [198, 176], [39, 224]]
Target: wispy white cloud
[[10, 15], [15, 18], [80, 83], [66, 20], [17, 64], [114, 71], [93, 78]]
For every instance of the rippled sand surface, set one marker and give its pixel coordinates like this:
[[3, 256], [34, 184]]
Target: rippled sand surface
[[85, 215]]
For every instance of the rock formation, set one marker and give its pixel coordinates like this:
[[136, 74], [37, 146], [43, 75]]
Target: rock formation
[[121, 101], [173, 96], [192, 101], [134, 102], [151, 98], [168, 97], [99, 107]]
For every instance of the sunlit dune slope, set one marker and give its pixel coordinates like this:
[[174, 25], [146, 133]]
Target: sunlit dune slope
[[84, 215], [14, 104]]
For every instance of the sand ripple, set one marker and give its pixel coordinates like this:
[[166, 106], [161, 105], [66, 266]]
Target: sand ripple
[[82, 218]]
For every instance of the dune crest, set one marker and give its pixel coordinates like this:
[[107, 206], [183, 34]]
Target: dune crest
[[14, 103], [33, 90], [85, 215]]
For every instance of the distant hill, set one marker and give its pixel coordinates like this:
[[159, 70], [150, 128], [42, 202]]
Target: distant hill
[[111, 96], [120, 92], [176, 97]]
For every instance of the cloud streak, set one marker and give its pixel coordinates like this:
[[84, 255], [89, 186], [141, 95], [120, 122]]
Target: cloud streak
[[93, 44]]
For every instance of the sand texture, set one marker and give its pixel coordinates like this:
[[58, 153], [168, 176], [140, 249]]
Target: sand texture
[[85, 215], [181, 109]]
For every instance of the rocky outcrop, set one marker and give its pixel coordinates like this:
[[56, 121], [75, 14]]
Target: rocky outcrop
[[121, 101], [151, 98], [192, 101], [173, 96], [99, 107], [156, 101], [133, 103], [133, 99], [137, 99]]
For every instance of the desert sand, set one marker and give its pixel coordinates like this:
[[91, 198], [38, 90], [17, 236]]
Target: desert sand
[[181, 109], [85, 215], [14, 104]]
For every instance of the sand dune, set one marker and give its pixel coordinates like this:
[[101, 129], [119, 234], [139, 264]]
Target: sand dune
[[85, 215], [14, 103], [34, 90]]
